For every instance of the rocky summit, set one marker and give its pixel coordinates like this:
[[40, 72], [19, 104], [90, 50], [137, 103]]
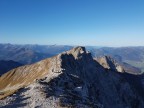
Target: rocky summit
[[72, 79]]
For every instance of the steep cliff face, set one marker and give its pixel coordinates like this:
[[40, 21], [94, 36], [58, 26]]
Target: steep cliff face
[[70, 79]]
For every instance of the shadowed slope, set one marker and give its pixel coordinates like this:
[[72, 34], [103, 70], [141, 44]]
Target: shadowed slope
[[70, 79], [5, 66]]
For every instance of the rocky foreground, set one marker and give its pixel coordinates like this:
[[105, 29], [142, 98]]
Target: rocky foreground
[[72, 79]]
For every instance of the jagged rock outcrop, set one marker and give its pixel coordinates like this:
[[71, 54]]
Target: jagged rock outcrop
[[109, 63], [70, 79]]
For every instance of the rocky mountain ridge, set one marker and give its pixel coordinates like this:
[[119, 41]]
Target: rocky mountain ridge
[[28, 53], [70, 79]]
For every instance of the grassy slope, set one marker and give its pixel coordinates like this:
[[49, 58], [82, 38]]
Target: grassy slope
[[22, 76]]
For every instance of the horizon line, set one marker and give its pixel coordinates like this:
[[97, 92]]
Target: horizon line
[[73, 45]]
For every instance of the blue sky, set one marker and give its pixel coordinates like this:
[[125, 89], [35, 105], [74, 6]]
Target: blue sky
[[72, 22]]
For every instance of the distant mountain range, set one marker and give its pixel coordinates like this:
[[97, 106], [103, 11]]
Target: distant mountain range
[[72, 79], [28, 54]]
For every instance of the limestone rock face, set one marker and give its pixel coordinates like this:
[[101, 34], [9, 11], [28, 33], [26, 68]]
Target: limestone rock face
[[109, 63], [70, 79]]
